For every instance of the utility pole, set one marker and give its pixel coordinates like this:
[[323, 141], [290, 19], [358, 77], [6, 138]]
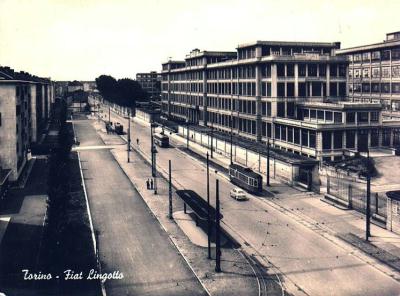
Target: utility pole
[[217, 230], [170, 190], [187, 134], [109, 113], [151, 148], [231, 137], [208, 210], [153, 159], [368, 209], [268, 163], [212, 139], [129, 135]]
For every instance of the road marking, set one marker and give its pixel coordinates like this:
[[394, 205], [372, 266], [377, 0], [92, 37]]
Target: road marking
[[83, 148]]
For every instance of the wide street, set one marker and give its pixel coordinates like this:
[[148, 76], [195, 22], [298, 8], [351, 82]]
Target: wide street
[[316, 265], [130, 238]]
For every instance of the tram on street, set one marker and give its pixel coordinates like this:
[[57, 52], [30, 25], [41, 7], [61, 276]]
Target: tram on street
[[161, 140], [245, 178]]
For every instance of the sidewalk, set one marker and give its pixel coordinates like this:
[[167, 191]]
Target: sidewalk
[[237, 277], [346, 225], [22, 216]]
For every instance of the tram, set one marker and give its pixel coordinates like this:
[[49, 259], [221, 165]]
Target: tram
[[161, 140], [245, 178]]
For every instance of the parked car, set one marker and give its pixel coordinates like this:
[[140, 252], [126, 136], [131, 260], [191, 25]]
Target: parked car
[[238, 194]]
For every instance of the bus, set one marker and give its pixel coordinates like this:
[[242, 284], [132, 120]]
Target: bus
[[161, 140], [245, 178]]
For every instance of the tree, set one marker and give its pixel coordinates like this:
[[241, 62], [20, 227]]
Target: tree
[[123, 92], [107, 86]]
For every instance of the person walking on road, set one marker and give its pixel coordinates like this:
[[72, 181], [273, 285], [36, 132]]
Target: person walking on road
[[137, 141], [148, 184], [151, 183]]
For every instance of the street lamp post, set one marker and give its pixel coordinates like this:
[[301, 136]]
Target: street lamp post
[[368, 206], [129, 135], [187, 134], [151, 147], [212, 139], [153, 158], [231, 137], [170, 190], [217, 230], [268, 163], [208, 209]]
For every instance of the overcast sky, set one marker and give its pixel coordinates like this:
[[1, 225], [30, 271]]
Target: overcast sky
[[76, 39]]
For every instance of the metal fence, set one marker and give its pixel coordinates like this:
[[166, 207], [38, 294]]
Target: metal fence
[[354, 195]]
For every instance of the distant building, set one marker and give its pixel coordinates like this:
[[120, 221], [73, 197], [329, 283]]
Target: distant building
[[89, 85], [74, 86], [291, 93], [374, 72], [151, 83], [25, 107]]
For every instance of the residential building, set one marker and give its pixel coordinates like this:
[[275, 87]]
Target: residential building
[[292, 93], [151, 83], [25, 107], [374, 72]]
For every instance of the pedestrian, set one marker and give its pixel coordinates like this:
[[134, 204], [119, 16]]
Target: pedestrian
[[148, 184], [137, 141], [151, 183]]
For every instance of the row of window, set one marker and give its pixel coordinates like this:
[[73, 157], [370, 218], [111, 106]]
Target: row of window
[[194, 62], [184, 87], [189, 75], [383, 55], [294, 135], [292, 50], [375, 87], [219, 103], [284, 89], [311, 89], [321, 115], [243, 72], [249, 72], [311, 70], [247, 53], [244, 125], [375, 72], [187, 99], [243, 106]]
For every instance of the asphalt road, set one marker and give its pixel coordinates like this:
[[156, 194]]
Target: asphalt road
[[130, 238], [315, 264]]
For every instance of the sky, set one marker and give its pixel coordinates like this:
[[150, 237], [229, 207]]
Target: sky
[[76, 39]]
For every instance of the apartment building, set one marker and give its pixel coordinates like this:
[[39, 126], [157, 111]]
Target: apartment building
[[374, 72], [150, 82], [25, 106], [292, 93]]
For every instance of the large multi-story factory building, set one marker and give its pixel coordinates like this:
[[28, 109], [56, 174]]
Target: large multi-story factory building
[[374, 72], [292, 93]]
